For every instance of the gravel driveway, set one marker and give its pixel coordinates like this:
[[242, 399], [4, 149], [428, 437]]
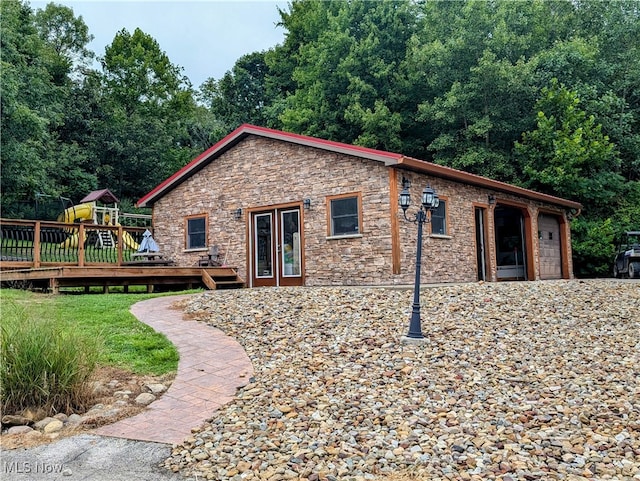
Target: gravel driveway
[[527, 380]]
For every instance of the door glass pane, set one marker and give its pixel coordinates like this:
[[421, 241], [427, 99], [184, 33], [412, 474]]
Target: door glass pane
[[291, 243], [264, 245]]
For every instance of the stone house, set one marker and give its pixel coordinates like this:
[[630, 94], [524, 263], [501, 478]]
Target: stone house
[[288, 209]]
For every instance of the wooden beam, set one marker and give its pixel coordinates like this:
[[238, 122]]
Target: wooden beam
[[208, 280], [395, 228]]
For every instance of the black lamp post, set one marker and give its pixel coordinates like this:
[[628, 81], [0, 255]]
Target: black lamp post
[[430, 202]]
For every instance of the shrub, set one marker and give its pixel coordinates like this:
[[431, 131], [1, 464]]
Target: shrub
[[42, 364], [593, 247]]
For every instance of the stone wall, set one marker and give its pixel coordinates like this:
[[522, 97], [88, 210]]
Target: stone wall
[[265, 172]]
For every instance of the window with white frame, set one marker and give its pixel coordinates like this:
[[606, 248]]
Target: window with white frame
[[196, 232], [439, 219], [344, 215]]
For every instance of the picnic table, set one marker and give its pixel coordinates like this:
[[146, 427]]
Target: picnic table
[[148, 259]]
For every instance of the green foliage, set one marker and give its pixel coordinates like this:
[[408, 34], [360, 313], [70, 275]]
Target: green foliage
[[142, 131], [464, 83], [28, 105], [43, 364], [347, 56], [125, 342], [568, 155], [240, 95], [475, 58], [626, 216], [593, 247], [66, 38]]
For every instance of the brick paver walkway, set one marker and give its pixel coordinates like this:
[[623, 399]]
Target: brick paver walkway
[[211, 367]]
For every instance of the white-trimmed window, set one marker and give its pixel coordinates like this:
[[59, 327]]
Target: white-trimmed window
[[439, 219], [344, 215], [196, 231]]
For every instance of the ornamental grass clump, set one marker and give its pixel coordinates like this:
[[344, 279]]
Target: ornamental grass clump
[[43, 365]]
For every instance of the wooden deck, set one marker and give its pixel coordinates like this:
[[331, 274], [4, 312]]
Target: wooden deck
[[47, 255], [53, 278]]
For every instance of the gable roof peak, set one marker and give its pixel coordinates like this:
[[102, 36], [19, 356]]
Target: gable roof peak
[[389, 158]]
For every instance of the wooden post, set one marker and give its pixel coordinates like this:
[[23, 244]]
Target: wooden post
[[81, 245], [36, 245], [54, 286], [120, 246]]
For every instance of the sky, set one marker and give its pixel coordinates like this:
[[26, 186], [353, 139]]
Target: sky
[[204, 37]]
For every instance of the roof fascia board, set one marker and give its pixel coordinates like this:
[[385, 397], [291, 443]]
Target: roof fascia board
[[473, 179]]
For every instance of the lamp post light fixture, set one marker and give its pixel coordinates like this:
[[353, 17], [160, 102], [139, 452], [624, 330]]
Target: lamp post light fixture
[[429, 203]]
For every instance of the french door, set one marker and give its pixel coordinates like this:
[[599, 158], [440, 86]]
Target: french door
[[276, 248]]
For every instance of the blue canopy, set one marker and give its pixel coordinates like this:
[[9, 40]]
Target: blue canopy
[[148, 244]]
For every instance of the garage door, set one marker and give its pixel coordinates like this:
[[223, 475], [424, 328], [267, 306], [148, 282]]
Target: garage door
[[550, 252]]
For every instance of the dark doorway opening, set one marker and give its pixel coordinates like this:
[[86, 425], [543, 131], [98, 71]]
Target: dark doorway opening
[[481, 251], [511, 248]]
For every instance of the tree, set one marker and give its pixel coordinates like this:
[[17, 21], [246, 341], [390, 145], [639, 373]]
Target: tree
[[67, 58], [568, 155], [240, 96], [66, 38], [347, 57], [476, 61], [142, 137], [29, 103]]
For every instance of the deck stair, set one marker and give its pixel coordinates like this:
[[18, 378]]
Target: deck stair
[[221, 278]]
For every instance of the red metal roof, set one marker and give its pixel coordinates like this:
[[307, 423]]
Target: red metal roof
[[388, 158]]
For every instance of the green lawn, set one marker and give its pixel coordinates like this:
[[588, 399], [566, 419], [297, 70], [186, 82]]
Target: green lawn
[[127, 343]]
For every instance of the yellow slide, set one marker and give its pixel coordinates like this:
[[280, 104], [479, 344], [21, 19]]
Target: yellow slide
[[77, 213], [82, 212], [129, 241], [72, 215]]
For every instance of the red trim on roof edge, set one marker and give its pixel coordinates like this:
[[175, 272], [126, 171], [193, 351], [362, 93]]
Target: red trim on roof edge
[[388, 158], [485, 182]]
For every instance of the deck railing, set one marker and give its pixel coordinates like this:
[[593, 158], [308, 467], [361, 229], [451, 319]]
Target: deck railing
[[33, 244]]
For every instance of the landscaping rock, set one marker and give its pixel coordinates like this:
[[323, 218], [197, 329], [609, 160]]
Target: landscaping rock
[[155, 388], [74, 419], [145, 398], [15, 420], [527, 380], [40, 425], [111, 407], [53, 427], [19, 430]]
